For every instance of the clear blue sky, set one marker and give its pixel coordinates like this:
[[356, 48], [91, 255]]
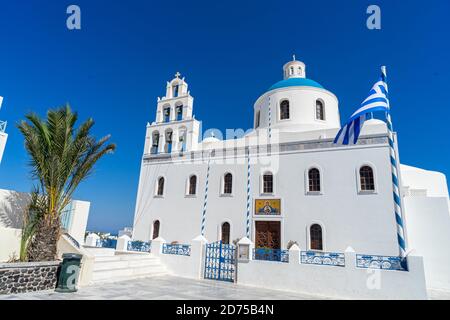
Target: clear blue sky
[[230, 52]]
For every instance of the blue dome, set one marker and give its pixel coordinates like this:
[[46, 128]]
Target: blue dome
[[296, 82]]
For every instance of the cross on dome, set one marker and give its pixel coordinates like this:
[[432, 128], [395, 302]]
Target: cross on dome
[[177, 75]]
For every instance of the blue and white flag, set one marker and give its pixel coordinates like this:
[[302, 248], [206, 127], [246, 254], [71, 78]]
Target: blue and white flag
[[377, 101]]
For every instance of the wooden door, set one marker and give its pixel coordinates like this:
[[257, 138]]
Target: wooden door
[[268, 234]]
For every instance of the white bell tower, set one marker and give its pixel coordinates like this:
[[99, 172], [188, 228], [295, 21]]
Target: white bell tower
[[174, 128]]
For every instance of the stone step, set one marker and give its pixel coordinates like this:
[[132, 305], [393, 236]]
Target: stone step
[[100, 252], [122, 257], [111, 274], [116, 264], [119, 279]]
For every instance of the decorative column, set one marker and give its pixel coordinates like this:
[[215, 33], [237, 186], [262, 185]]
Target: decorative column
[[248, 194], [205, 202]]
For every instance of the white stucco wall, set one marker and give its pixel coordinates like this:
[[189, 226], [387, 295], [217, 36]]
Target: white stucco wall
[[429, 235], [302, 109], [435, 183], [347, 282], [12, 206], [9, 243], [79, 221], [364, 221]]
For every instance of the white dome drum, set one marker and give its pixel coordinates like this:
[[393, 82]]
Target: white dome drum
[[297, 104]]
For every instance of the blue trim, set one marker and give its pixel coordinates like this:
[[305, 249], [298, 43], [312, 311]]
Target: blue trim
[[296, 82], [139, 246], [106, 243], [177, 249], [322, 258], [268, 254], [381, 262]]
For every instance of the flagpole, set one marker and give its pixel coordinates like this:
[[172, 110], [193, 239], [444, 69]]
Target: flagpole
[[395, 177]]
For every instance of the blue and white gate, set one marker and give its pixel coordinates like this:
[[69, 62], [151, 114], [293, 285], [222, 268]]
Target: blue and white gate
[[220, 262]]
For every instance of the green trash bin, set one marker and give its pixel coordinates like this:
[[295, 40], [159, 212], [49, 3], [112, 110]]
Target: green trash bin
[[68, 274]]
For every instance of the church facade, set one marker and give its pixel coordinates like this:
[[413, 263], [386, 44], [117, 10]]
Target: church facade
[[284, 181]]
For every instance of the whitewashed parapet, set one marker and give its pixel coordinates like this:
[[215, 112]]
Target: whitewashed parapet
[[122, 243], [91, 240]]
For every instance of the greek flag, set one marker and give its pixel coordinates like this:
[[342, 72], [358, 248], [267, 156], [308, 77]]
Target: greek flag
[[376, 101]]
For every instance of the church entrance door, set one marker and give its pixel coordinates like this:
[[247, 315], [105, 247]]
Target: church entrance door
[[268, 234]]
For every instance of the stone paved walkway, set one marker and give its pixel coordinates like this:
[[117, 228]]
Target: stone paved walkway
[[165, 288]]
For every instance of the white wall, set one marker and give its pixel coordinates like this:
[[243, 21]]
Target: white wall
[[428, 222], [364, 221], [435, 183], [346, 282], [9, 243], [182, 266], [79, 221], [12, 206], [302, 109]]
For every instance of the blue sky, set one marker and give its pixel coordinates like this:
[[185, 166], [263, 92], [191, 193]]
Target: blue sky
[[230, 52]]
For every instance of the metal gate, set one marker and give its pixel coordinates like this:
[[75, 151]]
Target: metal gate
[[220, 262]]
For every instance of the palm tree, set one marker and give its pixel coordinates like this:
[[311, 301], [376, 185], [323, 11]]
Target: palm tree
[[61, 156]]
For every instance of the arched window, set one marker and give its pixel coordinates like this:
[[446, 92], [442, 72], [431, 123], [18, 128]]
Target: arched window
[[179, 112], [168, 146], [320, 110], [268, 183], [155, 143], [284, 110], [367, 181], [192, 185], [155, 229], [176, 88], [228, 184], [160, 188], [167, 114], [225, 233], [257, 119], [182, 139], [314, 180], [315, 236]]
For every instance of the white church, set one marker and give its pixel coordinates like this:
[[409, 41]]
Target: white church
[[285, 182]]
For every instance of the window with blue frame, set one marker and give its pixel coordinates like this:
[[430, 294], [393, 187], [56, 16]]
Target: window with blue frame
[[176, 89]]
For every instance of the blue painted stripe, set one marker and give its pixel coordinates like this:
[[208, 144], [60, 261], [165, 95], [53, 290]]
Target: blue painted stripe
[[398, 219]]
